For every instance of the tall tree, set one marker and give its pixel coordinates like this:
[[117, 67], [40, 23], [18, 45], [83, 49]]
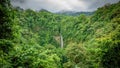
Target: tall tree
[[5, 20], [7, 29]]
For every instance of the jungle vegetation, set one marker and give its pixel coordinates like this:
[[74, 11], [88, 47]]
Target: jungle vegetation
[[31, 39]]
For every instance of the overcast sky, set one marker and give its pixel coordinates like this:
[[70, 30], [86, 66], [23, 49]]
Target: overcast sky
[[62, 5]]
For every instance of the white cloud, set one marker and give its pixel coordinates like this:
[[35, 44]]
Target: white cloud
[[58, 5]]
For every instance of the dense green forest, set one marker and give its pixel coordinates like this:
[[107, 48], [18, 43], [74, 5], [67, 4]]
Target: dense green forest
[[32, 39]]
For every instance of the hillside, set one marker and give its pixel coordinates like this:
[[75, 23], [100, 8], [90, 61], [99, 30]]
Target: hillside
[[30, 39], [73, 13]]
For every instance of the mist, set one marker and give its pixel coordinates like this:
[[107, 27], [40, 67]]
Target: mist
[[61, 5]]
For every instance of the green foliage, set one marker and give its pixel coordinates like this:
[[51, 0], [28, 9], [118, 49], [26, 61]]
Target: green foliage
[[6, 31], [30, 39], [34, 56], [111, 49], [76, 56]]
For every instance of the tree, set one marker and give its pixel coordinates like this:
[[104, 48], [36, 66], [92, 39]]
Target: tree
[[5, 20], [76, 55]]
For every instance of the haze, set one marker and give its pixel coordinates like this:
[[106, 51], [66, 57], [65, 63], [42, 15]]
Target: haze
[[61, 5]]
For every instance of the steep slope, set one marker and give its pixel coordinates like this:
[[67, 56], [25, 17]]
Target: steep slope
[[89, 41], [73, 13]]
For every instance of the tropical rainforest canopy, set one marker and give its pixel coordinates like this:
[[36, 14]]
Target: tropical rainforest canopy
[[32, 39]]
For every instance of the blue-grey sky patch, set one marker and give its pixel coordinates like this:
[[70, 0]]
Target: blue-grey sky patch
[[61, 5]]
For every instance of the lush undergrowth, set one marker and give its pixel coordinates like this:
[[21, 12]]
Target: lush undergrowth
[[30, 39]]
